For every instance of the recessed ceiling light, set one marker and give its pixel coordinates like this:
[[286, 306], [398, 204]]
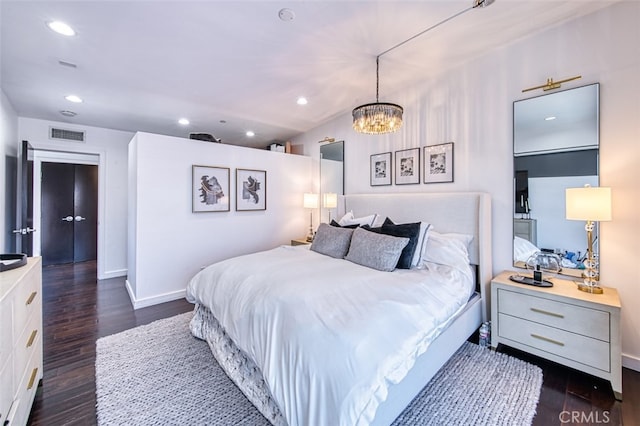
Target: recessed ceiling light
[[551, 117], [302, 100], [73, 98], [250, 133], [61, 28], [183, 121], [67, 113]]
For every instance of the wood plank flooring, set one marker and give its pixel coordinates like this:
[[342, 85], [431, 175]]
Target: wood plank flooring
[[78, 310]]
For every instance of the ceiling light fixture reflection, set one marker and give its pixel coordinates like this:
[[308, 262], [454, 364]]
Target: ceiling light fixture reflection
[[61, 28], [183, 121], [550, 118], [73, 98], [302, 101], [250, 133]]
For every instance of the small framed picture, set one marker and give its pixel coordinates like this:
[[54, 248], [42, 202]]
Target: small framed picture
[[251, 189], [210, 189], [408, 166], [438, 160], [381, 169]]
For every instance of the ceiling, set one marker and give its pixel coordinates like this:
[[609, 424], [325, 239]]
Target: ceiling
[[233, 66]]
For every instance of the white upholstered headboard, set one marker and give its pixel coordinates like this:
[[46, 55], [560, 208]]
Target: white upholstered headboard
[[461, 212]]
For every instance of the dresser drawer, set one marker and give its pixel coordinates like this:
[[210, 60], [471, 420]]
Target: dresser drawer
[[28, 343], [6, 331], [6, 389], [27, 301], [575, 319], [571, 346], [26, 390]]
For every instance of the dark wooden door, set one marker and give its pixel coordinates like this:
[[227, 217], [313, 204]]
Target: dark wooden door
[[69, 213], [25, 227]]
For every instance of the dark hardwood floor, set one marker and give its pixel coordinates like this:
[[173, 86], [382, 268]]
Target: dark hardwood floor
[[78, 310]]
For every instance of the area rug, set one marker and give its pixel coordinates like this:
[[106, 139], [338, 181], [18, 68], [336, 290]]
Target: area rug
[[159, 374]]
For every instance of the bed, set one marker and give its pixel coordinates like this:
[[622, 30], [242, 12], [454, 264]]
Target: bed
[[313, 339]]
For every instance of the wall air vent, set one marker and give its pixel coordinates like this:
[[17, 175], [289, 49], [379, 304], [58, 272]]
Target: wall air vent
[[65, 134]]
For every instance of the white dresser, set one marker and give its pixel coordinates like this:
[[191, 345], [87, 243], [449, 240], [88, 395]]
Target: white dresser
[[20, 340], [560, 323]]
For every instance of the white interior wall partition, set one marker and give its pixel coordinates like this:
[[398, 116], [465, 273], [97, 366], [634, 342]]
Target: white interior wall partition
[[168, 243]]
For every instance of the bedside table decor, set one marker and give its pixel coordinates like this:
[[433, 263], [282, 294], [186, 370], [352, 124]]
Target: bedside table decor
[[521, 279], [590, 204]]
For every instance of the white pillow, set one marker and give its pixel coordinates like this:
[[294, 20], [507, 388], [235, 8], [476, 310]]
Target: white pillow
[[448, 249], [523, 249], [348, 219], [421, 245]]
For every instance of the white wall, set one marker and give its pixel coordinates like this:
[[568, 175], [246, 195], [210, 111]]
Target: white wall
[[8, 148], [472, 106], [168, 243], [111, 147]]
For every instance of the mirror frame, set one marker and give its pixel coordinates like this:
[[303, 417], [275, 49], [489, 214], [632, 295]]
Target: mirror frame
[[334, 150], [579, 160]]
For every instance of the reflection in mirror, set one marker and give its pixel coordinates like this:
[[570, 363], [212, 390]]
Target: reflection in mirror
[[331, 177], [556, 146]]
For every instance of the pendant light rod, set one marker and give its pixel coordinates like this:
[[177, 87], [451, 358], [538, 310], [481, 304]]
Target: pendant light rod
[[476, 3]]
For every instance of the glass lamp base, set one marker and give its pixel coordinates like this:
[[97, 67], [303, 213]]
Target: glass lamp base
[[594, 289]]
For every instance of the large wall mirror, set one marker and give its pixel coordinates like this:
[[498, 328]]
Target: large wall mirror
[[331, 177], [556, 146]]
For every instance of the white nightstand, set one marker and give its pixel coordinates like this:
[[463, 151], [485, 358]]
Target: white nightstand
[[560, 323]]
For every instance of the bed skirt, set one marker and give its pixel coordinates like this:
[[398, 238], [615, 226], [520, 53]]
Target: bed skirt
[[240, 369]]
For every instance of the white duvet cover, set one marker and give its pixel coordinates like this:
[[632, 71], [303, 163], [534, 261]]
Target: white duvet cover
[[329, 336]]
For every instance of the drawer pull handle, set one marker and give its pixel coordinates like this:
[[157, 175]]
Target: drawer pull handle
[[33, 378], [32, 338], [546, 339], [553, 314], [33, 296]]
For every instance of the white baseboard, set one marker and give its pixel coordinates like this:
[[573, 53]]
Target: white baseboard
[[113, 274], [153, 300], [631, 362]]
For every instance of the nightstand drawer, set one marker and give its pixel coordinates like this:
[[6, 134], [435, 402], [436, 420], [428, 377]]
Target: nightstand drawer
[[573, 347], [575, 319]]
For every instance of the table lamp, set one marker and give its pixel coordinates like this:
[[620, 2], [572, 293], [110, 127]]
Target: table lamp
[[592, 204], [330, 201], [310, 201]]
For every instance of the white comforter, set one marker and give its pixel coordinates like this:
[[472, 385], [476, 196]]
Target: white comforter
[[329, 336]]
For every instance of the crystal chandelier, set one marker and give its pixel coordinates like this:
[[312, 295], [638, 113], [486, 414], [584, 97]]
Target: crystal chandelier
[[379, 117]]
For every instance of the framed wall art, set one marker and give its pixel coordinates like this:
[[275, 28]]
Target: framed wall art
[[210, 189], [381, 169], [251, 189], [438, 159], [408, 166]]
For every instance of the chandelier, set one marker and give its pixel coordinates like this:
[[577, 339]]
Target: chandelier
[[382, 117], [379, 117]]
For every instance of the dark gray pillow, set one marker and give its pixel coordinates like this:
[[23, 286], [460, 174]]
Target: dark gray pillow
[[332, 241], [377, 251]]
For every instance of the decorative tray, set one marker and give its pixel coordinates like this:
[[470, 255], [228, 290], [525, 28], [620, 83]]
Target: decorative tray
[[12, 260], [521, 279]]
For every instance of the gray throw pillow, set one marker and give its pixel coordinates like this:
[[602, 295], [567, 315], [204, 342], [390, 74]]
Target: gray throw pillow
[[377, 251], [332, 241]]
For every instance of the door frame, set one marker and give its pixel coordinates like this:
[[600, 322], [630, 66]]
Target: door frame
[[72, 155]]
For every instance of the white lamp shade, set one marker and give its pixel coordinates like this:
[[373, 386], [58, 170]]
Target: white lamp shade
[[588, 203], [330, 200], [310, 200]]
